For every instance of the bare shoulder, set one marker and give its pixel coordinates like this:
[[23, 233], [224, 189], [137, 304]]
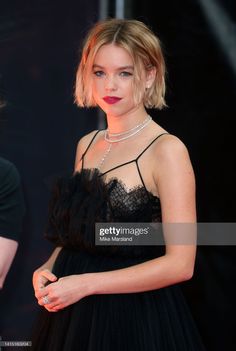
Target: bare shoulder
[[175, 180], [170, 150], [171, 158], [168, 142], [83, 144], [85, 140]]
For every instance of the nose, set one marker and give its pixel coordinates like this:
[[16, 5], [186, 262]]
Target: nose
[[110, 83]]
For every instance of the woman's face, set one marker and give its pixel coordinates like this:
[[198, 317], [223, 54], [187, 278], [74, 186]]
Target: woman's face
[[112, 80]]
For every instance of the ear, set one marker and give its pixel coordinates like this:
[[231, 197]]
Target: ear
[[150, 77]]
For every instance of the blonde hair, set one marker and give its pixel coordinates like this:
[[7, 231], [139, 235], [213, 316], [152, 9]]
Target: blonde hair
[[144, 48]]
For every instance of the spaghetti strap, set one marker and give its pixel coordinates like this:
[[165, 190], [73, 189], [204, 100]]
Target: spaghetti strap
[[140, 175], [112, 169], [150, 145], [91, 142], [137, 158], [84, 153], [134, 160]]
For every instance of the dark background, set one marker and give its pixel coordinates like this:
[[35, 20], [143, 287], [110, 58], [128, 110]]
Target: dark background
[[40, 127]]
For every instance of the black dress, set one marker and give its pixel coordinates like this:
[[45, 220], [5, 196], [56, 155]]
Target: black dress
[[157, 320]]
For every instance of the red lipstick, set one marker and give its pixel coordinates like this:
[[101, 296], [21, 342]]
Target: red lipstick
[[111, 99]]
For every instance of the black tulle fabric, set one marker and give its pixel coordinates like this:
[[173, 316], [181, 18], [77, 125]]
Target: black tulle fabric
[[81, 200], [157, 320]]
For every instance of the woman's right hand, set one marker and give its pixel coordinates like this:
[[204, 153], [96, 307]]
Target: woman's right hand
[[41, 278], [43, 275]]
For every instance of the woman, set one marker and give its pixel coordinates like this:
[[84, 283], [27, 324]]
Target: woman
[[122, 297]]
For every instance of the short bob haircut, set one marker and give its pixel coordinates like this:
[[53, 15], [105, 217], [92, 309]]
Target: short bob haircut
[[145, 50]]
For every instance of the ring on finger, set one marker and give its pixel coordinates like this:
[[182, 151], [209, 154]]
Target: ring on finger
[[45, 300]]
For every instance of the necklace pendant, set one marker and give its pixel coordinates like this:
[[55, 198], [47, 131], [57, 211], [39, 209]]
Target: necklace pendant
[[104, 156]]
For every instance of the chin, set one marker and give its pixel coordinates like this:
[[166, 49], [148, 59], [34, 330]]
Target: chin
[[112, 111]]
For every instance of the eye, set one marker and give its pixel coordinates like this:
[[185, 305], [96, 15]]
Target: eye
[[98, 73], [125, 74]]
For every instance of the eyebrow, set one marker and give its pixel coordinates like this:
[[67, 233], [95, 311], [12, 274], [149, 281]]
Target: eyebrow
[[118, 69]]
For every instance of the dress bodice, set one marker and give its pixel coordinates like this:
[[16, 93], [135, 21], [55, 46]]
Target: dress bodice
[[81, 200]]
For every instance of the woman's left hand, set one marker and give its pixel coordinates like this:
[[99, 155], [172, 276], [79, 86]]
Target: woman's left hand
[[64, 292]]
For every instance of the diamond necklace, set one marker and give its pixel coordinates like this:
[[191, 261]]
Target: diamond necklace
[[130, 130], [108, 137], [104, 156], [137, 129]]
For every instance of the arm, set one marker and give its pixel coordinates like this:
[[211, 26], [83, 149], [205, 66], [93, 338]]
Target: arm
[[50, 262], [43, 274], [8, 249], [175, 180], [12, 210], [176, 185]]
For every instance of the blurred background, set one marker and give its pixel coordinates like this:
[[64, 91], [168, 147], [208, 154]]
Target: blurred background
[[40, 126]]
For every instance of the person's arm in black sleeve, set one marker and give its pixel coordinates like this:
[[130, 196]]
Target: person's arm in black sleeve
[[12, 211]]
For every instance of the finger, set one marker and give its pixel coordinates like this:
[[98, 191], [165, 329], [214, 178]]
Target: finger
[[41, 293], [49, 275], [40, 285], [46, 301], [40, 302], [53, 308], [44, 277], [53, 304]]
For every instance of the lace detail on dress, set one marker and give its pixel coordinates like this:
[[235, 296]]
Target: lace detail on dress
[[128, 204], [81, 200]]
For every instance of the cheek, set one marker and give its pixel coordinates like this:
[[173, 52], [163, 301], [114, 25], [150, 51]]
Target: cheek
[[97, 91], [96, 86], [129, 86]]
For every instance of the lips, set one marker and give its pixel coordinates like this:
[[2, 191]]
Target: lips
[[111, 99]]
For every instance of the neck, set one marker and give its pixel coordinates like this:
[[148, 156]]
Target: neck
[[122, 123]]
